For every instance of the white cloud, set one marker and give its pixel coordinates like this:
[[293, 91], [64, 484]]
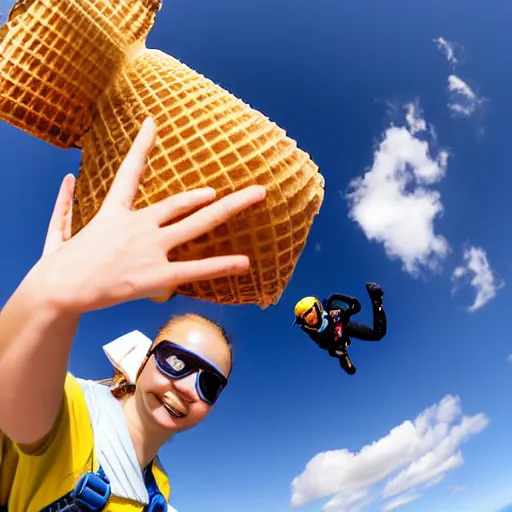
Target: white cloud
[[348, 502], [416, 123], [393, 203], [429, 466], [483, 280], [436, 480], [415, 453], [400, 502], [463, 100], [448, 48], [509, 358]]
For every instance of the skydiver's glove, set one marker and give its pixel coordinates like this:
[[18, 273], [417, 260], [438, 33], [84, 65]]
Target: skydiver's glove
[[375, 292]]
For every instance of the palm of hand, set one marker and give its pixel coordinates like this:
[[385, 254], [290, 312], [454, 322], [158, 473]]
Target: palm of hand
[[122, 254]]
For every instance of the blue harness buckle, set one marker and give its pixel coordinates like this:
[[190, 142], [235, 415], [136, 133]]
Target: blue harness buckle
[[91, 493]]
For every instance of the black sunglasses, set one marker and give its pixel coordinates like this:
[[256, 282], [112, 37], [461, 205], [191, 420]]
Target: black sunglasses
[[176, 362]]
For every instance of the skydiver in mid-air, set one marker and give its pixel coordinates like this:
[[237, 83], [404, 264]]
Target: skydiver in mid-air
[[328, 322]]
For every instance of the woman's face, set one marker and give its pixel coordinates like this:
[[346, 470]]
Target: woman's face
[[154, 389]]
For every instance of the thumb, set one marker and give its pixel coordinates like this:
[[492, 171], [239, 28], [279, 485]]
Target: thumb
[[60, 221]]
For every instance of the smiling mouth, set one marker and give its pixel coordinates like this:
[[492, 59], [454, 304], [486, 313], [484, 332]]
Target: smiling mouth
[[173, 412]]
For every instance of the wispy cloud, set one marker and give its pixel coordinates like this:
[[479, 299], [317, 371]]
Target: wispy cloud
[[400, 502], [482, 278], [448, 48], [348, 502], [392, 202], [414, 455], [463, 101]]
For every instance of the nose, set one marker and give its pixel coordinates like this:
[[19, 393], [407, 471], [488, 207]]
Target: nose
[[187, 387]]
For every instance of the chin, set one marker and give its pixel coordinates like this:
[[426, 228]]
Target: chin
[[159, 414], [172, 425], [164, 420]]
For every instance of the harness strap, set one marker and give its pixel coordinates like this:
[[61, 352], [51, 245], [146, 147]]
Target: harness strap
[[90, 494], [157, 502]]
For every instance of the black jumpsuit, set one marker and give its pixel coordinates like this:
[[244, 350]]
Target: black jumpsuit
[[337, 347]]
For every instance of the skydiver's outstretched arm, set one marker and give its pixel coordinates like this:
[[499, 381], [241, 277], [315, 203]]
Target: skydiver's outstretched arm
[[353, 303]]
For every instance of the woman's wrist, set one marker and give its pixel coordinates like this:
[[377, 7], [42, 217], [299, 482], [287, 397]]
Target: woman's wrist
[[54, 292]]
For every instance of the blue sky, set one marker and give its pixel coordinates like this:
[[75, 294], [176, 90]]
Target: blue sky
[[364, 86]]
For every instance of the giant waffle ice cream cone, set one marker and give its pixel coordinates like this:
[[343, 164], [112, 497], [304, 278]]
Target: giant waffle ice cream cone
[[206, 137], [57, 57], [76, 73]]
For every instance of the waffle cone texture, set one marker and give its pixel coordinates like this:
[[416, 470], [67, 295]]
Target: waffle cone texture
[[58, 56], [206, 137]]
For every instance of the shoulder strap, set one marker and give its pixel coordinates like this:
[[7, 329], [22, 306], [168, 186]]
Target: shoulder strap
[[90, 494], [157, 502]]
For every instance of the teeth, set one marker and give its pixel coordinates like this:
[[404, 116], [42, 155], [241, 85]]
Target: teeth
[[173, 405], [173, 412]]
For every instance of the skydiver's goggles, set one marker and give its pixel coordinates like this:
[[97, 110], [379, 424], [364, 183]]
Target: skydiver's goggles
[[176, 362]]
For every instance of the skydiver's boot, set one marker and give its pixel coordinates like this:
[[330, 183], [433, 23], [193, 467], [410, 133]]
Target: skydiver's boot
[[346, 363]]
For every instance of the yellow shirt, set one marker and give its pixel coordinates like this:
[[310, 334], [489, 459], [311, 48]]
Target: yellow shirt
[[32, 477]]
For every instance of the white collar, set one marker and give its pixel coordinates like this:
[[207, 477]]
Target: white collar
[[127, 353]]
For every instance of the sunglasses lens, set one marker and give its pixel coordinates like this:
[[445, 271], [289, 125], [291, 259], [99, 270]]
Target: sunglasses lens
[[174, 363], [210, 385]]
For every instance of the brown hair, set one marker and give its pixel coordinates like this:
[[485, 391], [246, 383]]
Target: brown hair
[[119, 384]]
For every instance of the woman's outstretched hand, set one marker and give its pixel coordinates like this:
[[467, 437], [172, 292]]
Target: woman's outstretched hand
[[121, 255]]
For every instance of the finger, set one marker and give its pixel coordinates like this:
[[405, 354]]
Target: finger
[[213, 215], [67, 221], [185, 272], [180, 204], [125, 184], [57, 224]]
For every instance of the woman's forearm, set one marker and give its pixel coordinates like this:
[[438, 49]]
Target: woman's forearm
[[36, 335]]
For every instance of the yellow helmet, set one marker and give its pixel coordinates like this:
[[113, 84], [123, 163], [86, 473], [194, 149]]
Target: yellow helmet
[[304, 306]]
